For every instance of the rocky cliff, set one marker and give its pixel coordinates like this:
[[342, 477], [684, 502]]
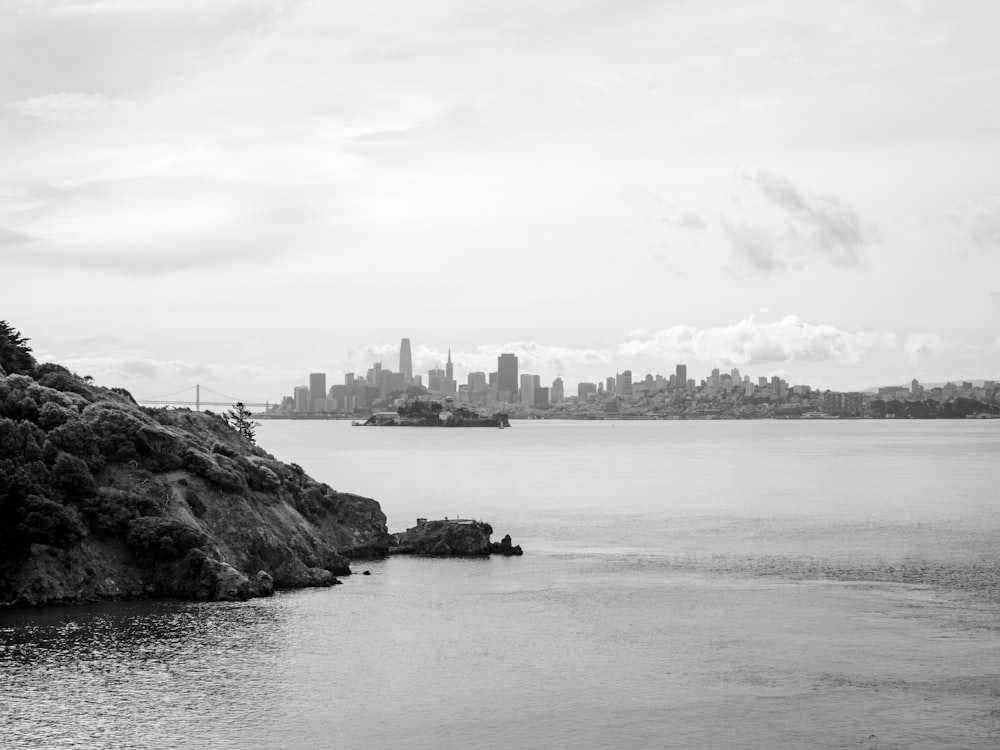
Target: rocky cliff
[[103, 499]]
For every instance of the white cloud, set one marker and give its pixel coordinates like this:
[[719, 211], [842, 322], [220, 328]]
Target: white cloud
[[981, 220], [13, 237], [804, 227], [63, 106], [923, 345], [753, 342]]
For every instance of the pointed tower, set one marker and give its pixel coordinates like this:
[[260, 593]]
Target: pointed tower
[[449, 376]]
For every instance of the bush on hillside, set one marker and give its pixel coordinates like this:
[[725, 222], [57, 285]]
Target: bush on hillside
[[44, 521], [155, 539]]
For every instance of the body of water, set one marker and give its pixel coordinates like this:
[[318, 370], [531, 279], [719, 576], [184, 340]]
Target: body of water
[[762, 584]]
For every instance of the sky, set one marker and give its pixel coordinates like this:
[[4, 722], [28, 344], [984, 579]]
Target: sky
[[237, 193]]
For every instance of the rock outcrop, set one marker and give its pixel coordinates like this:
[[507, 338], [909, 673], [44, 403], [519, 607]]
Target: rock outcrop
[[450, 538], [103, 499]]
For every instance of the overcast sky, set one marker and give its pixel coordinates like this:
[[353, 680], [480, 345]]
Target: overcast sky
[[239, 192]]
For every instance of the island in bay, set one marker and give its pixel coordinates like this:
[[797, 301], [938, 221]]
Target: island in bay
[[103, 499]]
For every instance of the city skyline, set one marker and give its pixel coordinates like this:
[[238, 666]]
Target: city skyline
[[508, 383], [240, 193]]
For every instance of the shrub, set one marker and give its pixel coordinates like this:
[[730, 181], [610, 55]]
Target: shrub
[[78, 439], [116, 430], [71, 476], [261, 477], [156, 539], [20, 440], [45, 521], [223, 472], [109, 511], [53, 415]]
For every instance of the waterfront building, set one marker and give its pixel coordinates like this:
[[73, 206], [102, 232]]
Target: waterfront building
[[406, 361]]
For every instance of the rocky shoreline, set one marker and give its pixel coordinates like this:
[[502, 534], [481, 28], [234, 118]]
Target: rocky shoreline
[[102, 499]]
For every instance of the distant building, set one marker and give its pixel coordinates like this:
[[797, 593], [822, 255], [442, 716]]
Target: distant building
[[391, 382], [623, 383], [477, 382], [405, 361], [507, 380], [436, 380], [893, 392], [586, 390], [529, 384], [854, 404], [317, 391], [541, 398], [681, 377], [449, 377], [556, 391], [301, 396]]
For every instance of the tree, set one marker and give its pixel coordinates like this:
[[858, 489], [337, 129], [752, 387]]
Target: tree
[[15, 354], [239, 418]]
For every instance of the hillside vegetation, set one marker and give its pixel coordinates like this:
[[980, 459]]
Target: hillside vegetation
[[103, 499]]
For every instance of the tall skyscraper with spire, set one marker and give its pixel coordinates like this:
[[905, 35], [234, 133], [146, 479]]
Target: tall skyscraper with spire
[[406, 361], [449, 377]]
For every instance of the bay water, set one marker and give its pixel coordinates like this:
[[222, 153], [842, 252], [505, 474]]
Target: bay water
[[758, 584]]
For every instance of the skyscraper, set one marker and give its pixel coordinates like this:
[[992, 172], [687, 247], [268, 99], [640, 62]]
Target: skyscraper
[[681, 377], [405, 361], [507, 376], [301, 399], [529, 384], [556, 392], [449, 377], [317, 391]]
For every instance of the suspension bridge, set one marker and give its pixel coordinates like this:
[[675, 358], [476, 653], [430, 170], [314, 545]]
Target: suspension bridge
[[183, 398]]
